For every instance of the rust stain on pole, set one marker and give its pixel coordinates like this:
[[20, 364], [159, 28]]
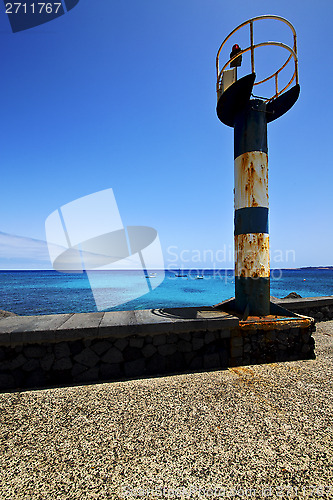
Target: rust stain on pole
[[251, 180], [252, 255]]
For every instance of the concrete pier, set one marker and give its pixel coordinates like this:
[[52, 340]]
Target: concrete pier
[[40, 351]]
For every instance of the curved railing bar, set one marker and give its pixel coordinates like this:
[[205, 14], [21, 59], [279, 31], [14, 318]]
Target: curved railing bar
[[276, 72], [263, 44], [251, 21], [252, 47], [284, 88]]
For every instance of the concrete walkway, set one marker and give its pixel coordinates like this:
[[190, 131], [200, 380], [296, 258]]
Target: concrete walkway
[[264, 428]]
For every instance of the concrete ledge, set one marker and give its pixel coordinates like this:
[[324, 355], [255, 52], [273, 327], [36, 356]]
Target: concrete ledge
[[306, 302], [319, 308], [38, 351], [18, 330]]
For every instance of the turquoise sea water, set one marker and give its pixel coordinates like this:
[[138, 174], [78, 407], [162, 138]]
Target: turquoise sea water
[[50, 292]]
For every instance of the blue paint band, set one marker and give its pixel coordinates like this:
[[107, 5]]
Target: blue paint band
[[250, 129], [251, 220], [252, 294]]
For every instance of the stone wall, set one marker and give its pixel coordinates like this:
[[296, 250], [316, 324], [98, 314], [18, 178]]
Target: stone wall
[[111, 359], [319, 308], [287, 344], [80, 348]]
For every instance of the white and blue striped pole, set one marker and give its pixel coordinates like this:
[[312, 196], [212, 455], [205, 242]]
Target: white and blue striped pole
[[252, 272], [249, 118], [248, 115]]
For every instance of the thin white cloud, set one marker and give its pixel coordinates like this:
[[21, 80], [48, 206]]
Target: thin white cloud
[[16, 247], [19, 252]]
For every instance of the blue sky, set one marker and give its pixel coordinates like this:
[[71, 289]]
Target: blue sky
[[121, 95]]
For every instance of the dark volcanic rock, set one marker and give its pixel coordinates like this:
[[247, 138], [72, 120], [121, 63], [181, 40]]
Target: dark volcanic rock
[[293, 295], [6, 314]]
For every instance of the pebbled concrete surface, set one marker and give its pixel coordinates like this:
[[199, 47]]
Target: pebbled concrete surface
[[261, 431]]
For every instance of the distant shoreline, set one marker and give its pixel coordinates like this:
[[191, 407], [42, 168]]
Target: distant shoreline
[[316, 268], [183, 269]]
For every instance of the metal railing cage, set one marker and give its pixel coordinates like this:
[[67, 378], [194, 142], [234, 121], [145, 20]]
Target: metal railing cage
[[252, 47]]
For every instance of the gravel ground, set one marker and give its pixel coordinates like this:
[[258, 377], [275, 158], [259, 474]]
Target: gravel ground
[[261, 431]]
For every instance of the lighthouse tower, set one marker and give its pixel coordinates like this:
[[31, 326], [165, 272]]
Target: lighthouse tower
[[237, 107]]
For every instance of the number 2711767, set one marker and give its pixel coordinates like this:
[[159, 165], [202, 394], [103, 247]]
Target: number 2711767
[[33, 8]]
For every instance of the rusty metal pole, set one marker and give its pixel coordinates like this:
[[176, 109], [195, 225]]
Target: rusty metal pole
[[249, 118], [237, 107], [252, 282]]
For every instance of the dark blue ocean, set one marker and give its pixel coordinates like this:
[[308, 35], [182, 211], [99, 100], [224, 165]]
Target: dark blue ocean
[[51, 292]]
